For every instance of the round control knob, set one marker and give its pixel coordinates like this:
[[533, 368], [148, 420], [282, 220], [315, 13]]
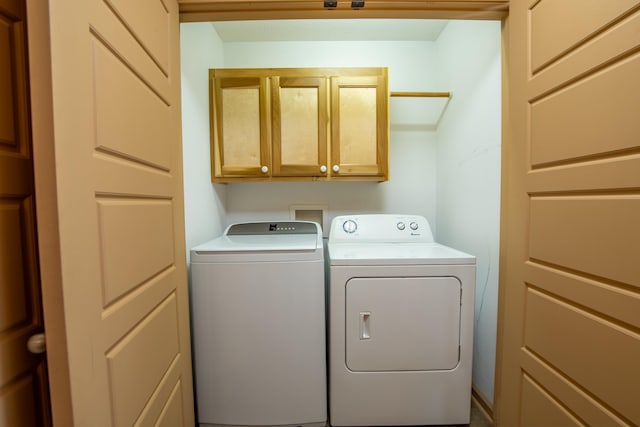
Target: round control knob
[[264, 169], [335, 168], [400, 225], [323, 168], [349, 226], [414, 225]]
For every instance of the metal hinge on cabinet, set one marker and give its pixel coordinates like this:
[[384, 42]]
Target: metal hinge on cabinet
[[334, 4]]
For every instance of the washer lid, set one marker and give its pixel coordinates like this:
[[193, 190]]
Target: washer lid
[[260, 243], [396, 254], [264, 237]]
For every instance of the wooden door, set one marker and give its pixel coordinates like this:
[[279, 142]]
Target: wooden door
[[116, 102], [239, 125], [360, 126], [299, 119], [24, 391], [570, 282]]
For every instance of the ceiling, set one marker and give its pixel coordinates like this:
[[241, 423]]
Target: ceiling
[[330, 30]]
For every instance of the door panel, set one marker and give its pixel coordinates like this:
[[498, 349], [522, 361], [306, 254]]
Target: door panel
[[149, 23], [608, 347], [116, 96], [7, 114], [136, 242], [132, 49], [402, 324], [24, 399], [120, 128], [539, 408], [599, 127], [589, 234], [565, 393], [14, 285], [550, 34], [134, 372], [569, 287]]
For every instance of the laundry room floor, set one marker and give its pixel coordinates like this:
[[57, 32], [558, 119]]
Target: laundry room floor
[[477, 419]]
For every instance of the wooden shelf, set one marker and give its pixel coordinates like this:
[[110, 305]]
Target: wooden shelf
[[420, 110], [421, 94]]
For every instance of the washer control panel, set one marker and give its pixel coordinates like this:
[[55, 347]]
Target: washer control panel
[[380, 228], [272, 227]]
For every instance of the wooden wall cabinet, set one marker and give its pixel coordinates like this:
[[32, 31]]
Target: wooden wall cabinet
[[299, 124]]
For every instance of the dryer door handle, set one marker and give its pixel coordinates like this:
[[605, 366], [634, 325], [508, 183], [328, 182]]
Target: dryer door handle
[[365, 325]]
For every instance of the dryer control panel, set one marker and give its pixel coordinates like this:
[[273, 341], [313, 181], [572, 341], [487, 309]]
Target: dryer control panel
[[381, 228]]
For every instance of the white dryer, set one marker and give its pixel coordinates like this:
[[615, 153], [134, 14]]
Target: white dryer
[[258, 310], [400, 324]]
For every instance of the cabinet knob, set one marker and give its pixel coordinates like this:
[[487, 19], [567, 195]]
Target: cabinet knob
[[336, 168], [323, 168], [264, 169]]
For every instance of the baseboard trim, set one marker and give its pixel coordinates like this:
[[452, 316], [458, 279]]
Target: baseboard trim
[[483, 404]]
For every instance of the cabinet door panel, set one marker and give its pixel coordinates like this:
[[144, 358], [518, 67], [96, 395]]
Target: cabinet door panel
[[359, 127], [240, 127], [357, 115], [299, 117]]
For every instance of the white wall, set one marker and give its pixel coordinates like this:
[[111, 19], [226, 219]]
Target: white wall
[[412, 187], [468, 193], [200, 49]]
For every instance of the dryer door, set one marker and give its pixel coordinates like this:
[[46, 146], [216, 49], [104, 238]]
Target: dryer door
[[402, 323]]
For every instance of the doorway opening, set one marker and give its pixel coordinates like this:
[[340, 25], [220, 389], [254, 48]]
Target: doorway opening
[[444, 160]]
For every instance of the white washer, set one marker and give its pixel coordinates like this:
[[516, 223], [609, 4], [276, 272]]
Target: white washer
[[258, 307], [401, 324]]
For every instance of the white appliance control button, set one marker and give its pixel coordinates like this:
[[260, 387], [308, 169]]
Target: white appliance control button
[[400, 225], [414, 225], [349, 226]]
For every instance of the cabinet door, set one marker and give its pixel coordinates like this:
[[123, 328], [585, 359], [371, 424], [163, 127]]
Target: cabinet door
[[299, 126], [359, 126], [239, 126]]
